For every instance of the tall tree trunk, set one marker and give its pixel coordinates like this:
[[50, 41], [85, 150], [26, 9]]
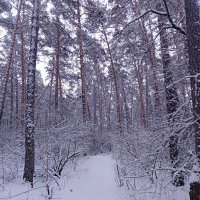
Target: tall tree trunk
[[172, 100], [193, 40], [153, 63], [101, 101], [51, 85], [11, 99], [30, 125], [140, 93], [126, 108], [148, 99], [23, 78], [108, 107], [61, 96], [85, 105], [95, 119], [9, 63], [57, 75], [116, 82], [16, 100], [148, 60], [23, 71], [181, 72]]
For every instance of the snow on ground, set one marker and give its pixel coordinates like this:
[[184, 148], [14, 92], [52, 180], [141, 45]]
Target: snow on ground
[[146, 191], [146, 188], [93, 179], [18, 190]]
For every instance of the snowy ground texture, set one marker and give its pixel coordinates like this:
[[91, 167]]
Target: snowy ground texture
[[93, 178]]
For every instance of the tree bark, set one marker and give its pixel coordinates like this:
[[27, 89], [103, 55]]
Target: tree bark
[[61, 97], [9, 63], [51, 85], [140, 93], [23, 71], [11, 99], [85, 107], [30, 125], [16, 101], [193, 41], [116, 82], [172, 100], [57, 62], [153, 62]]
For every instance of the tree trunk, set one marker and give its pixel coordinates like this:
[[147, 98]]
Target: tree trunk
[[83, 74], [11, 99], [153, 63], [9, 63], [101, 102], [193, 40], [23, 78], [116, 82], [95, 119], [126, 108], [140, 93], [16, 101], [61, 97], [57, 62], [172, 100], [29, 126], [51, 85], [23, 69], [195, 191]]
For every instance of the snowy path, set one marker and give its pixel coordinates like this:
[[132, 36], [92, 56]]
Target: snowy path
[[93, 179], [96, 180]]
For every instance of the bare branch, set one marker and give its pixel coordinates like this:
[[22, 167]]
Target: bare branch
[[167, 14], [174, 25], [142, 15]]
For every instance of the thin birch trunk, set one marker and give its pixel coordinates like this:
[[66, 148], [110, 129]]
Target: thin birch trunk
[[30, 124]]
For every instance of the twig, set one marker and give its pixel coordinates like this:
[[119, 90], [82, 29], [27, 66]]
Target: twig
[[2, 186], [142, 15], [16, 195], [180, 29]]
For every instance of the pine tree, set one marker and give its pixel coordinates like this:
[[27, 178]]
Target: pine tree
[[193, 41]]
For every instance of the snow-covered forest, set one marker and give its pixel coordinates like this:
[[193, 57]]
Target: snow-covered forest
[[100, 99]]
